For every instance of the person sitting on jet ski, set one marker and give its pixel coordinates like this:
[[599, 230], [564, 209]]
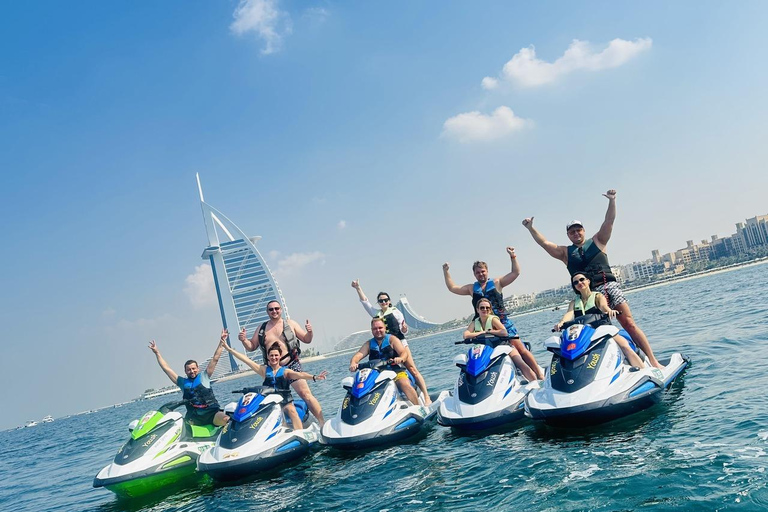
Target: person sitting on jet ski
[[396, 325], [489, 323], [277, 376], [386, 346], [588, 302], [202, 407]]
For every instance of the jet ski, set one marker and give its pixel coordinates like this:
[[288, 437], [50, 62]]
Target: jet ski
[[162, 449], [374, 412], [589, 380], [489, 392], [258, 437]]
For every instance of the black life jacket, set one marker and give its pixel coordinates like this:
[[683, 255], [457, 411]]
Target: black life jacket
[[493, 295], [199, 396], [590, 261], [291, 341], [391, 322]]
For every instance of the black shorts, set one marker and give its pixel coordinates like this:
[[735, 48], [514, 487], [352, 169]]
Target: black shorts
[[201, 416]]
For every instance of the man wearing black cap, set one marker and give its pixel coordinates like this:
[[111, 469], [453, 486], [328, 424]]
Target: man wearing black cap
[[587, 255]]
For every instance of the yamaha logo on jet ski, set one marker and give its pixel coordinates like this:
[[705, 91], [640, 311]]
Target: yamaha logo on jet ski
[[591, 382]]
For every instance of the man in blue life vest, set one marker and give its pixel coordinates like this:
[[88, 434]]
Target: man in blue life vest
[[396, 325], [386, 346], [587, 255], [287, 334], [202, 407], [491, 290]]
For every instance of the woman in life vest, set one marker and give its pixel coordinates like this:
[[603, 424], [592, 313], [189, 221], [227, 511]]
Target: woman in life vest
[[487, 322], [277, 376], [588, 302]]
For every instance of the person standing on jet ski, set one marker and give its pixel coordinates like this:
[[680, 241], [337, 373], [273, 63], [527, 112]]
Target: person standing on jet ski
[[388, 347], [588, 255], [491, 289], [396, 325], [202, 407], [489, 323], [287, 334], [277, 376], [588, 302]]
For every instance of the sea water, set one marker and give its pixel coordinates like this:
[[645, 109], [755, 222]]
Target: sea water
[[702, 449]]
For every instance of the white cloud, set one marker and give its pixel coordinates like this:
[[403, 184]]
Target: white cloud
[[296, 261], [273, 255], [342, 224], [526, 70], [490, 83], [200, 288], [265, 19], [474, 126], [316, 15]]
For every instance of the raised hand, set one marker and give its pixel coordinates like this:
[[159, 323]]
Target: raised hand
[[224, 335], [356, 284], [153, 347], [511, 252], [611, 194], [241, 335], [528, 222], [307, 327], [446, 267]]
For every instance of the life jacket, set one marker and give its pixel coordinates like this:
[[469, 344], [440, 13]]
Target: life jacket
[[199, 396], [276, 380], [493, 295], [579, 308], [384, 352], [291, 341], [488, 324], [391, 322], [591, 261]]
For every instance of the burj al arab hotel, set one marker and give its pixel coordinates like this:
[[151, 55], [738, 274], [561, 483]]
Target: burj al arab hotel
[[244, 283]]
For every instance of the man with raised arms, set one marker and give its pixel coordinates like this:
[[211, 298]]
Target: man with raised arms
[[202, 407], [287, 334], [587, 255], [388, 347], [491, 289], [395, 324]]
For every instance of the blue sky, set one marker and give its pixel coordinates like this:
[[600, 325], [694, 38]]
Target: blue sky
[[360, 140]]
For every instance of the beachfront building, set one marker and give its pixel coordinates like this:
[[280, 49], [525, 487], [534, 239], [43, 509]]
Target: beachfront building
[[412, 318], [754, 233], [244, 283]]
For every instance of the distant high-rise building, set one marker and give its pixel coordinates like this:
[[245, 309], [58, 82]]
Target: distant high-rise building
[[244, 283]]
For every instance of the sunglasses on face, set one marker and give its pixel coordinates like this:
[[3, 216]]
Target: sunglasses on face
[[484, 308], [579, 280], [382, 301], [273, 309]]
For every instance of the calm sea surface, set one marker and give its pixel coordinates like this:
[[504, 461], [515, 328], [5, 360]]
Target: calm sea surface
[[702, 449]]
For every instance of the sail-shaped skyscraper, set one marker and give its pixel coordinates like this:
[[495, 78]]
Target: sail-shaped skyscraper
[[244, 283]]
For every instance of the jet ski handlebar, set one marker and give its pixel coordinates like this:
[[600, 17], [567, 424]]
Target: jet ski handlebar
[[170, 406], [487, 339], [593, 319], [263, 390], [375, 364]]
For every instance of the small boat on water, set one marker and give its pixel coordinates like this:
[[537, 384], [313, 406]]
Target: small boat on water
[[48, 419], [30, 423]]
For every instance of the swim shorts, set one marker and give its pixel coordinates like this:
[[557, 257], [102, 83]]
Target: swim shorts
[[294, 365], [615, 295], [201, 416]]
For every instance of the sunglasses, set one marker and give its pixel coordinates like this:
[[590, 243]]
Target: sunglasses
[[273, 309], [382, 301], [579, 280], [484, 308]]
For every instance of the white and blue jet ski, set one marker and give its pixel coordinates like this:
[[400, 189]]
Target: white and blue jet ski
[[489, 391], [258, 436], [374, 412], [589, 380]]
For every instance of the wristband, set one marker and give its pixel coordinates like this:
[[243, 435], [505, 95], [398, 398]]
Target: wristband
[[314, 378]]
